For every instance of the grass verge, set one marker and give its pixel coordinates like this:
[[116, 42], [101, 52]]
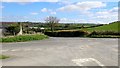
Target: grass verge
[[104, 36], [3, 57], [23, 38]]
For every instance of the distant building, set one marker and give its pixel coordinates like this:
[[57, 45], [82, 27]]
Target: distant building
[[33, 27]]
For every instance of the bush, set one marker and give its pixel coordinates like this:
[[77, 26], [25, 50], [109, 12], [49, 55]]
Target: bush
[[67, 33], [105, 33], [11, 30], [23, 38]]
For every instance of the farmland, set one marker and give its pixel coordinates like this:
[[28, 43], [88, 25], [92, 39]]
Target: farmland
[[61, 28], [108, 27]]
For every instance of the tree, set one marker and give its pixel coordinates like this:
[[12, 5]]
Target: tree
[[13, 29], [52, 22], [25, 27]]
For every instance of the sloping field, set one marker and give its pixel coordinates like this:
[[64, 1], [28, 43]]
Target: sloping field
[[108, 27]]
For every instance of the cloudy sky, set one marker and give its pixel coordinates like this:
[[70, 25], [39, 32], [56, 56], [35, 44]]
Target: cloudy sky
[[68, 11]]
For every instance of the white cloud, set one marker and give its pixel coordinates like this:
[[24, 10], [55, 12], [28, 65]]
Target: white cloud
[[34, 13], [68, 20], [29, 0], [68, 8], [82, 6], [109, 13], [115, 9], [48, 10], [53, 13], [90, 4], [103, 13], [44, 10], [65, 2], [107, 16], [103, 17], [1, 7]]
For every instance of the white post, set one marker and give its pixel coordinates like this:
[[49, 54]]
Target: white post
[[20, 33]]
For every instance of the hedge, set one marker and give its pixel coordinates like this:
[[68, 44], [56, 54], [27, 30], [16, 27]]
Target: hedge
[[105, 33], [67, 33], [81, 33]]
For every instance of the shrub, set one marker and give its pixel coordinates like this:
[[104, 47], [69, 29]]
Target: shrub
[[11, 29], [67, 33], [23, 38], [105, 33]]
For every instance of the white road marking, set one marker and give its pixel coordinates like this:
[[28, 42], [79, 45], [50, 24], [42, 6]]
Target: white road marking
[[4, 50], [15, 50], [81, 61]]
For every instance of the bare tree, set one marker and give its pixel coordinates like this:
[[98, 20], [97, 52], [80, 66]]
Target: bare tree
[[52, 21]]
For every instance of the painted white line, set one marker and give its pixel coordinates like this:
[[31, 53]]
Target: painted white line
[[15, 50], [80, 62], [5, 50], [99, 63]]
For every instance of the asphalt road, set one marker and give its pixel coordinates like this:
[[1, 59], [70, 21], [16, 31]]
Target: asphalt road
[[62, 52]]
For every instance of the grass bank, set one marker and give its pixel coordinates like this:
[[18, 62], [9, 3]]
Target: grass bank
[[104, 36], [114, 27], [3, 57], [23, 38]]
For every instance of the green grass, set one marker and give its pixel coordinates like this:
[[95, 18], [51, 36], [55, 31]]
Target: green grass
[[104, 36], [107, 27], [23, 38], [3, 57], [106, 31]]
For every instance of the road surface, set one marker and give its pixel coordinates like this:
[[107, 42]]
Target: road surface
[[62, 52]]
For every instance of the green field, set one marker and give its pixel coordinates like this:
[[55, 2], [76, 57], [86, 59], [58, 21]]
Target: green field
[[108, 27]]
